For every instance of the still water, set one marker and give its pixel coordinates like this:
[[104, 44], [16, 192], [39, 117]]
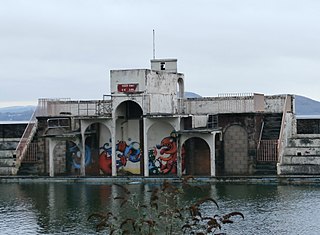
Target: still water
[[63, 208]]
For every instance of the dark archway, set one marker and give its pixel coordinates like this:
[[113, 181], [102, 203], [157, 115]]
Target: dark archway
[[197, 157], [129, 110]]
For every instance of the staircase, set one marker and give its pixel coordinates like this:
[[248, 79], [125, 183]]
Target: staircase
[[301, 156], [10, 134], [272, 126], [267, 155]]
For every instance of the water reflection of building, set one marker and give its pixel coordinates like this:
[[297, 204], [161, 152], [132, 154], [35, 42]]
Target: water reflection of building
[[147, 127]]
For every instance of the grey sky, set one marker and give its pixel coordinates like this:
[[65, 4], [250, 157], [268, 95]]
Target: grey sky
[[60, 48]]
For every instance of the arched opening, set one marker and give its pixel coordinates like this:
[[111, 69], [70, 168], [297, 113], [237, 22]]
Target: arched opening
[[129, 137], [180, 88], [162, 149], [73, 157], [197, 157], [98, 145], [236, 151], [129, 110], [59, 158]]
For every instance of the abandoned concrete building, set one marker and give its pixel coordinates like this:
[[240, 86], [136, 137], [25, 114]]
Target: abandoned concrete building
[[146, 127]]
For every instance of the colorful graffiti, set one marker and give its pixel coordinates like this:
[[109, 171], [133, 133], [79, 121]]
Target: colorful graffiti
[[105, 159], [125, 153], [75, 156], [163, 157]]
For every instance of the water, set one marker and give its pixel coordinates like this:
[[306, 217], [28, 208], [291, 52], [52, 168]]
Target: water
[[62, 208]]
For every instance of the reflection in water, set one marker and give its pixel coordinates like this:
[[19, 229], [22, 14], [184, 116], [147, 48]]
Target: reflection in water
[[61, 208]]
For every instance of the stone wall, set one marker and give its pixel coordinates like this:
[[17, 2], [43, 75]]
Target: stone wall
[[240, 144]]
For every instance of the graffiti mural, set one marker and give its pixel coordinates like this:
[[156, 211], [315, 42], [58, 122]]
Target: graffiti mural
[[163, 157], [128, 156], [74, 156], [105, 159]]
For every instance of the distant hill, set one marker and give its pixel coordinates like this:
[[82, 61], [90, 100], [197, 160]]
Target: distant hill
[[304, 106], [189, 94], [307, 106], [16, 113]]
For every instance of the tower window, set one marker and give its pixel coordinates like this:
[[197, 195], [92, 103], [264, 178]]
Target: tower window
[[162, 66]]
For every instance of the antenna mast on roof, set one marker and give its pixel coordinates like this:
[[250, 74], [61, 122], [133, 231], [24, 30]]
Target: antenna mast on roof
[[154, 44]]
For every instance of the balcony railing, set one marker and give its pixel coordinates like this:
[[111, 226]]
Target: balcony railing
[[58, 107]]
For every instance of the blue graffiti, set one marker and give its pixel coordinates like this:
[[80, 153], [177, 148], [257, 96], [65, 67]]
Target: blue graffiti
[[76, 156]]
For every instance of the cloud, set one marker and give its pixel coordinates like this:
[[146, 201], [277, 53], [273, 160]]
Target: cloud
[[58, 48]]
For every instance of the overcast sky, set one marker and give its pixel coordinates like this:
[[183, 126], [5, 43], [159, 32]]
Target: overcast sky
[[65, 48]]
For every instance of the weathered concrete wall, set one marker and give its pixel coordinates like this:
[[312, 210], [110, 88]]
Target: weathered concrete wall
[[10, 134], [301, 156], [214, 105], [130, 76], [275, 103], [199, 121]]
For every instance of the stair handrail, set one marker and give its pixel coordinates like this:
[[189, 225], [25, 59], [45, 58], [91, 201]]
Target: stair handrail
[[282, 129], [27, 137], [260, 136]]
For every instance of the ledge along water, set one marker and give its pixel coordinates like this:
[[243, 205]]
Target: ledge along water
[[288, 179]]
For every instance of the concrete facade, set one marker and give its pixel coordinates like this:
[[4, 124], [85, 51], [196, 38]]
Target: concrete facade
[[146, 127]]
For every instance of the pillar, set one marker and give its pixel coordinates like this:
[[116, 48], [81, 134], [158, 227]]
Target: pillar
[[113, 143], [179, 159], [145, 148], [83, 156], [213, 155], [52, 144]]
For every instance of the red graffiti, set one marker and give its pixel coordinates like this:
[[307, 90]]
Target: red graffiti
[[105, 163], [168, 151]]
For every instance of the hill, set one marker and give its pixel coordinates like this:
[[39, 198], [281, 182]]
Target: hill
[[307, 106], [16, 113]]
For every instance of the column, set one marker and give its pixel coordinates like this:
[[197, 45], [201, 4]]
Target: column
[[213, 154], [83, 156], [145, 148], [52, 144], [113, 140]]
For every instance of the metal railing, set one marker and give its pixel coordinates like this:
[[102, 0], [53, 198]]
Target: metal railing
[[268, 151], [27, 137], [260, 136], [236, 102], [65, 106], [31, 154]]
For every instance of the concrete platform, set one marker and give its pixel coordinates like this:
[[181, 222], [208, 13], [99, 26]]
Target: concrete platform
[[278, 180]]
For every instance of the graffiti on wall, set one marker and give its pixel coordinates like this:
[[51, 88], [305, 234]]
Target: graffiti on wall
[[105, 159], [128, 155], [163, 157], [74, 155]]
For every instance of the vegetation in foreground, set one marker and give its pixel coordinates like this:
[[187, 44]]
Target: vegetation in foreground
[[163, 213]]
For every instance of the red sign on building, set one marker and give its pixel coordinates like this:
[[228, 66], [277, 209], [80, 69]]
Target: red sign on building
[[127, 88]]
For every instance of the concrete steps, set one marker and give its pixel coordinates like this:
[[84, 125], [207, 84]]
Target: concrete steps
[[7, 160], [272, 126], [269, 168], [301, 156]]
